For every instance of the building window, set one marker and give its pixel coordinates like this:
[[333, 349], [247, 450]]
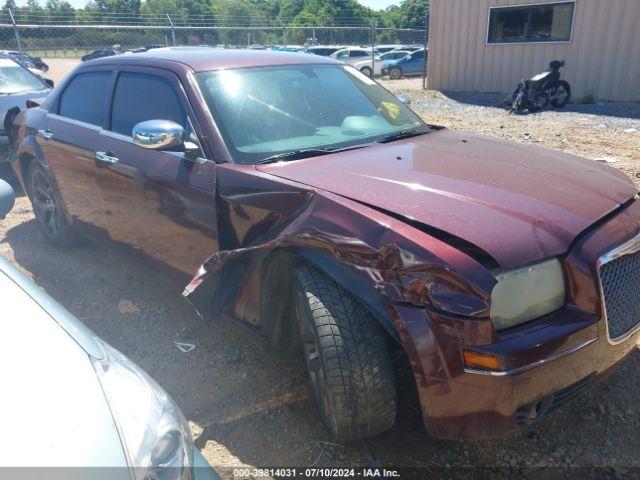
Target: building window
[[547, 22]]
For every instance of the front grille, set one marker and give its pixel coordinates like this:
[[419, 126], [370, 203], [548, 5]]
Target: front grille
[[620, 280]]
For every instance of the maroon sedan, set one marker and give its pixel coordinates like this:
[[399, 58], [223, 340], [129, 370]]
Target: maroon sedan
[[315, 207]]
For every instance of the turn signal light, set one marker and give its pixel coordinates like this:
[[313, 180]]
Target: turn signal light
[[480, 361]]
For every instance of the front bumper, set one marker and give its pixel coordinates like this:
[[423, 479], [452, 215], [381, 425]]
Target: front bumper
[[544, 363], [201, 468]]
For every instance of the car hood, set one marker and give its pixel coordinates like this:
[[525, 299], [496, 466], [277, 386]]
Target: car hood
[[54, 412], [519, 203]]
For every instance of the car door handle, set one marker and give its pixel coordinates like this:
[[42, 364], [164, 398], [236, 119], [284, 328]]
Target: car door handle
[[104, 157], [46, 134]]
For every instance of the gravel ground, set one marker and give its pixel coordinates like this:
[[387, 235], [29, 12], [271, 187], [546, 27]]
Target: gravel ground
[[248, 407], [608, 132]]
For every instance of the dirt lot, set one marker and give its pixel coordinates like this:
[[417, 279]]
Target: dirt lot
[[248, 407]]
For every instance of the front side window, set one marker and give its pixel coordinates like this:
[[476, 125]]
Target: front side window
[[535, 23], [84, 99], [139, 97], [343, 54], [360, 53], [15, 79], [271, 110], [393, 55]]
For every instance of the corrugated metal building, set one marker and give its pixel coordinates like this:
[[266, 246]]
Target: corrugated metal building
[[489, 45]]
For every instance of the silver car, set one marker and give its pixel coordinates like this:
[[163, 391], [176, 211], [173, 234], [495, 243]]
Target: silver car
[[17, 85], [71, 400]]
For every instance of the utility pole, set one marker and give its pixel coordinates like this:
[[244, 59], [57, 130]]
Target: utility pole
[[426, 52], [173, 30], [284, 33], [372, 33], [15, 31]]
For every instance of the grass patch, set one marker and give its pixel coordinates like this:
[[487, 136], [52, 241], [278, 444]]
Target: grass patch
[[588, 100]]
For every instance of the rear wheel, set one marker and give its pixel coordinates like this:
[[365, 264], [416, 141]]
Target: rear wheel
[[562, 95], [516, 100], [47, 209], [395, 73], [347, 358], [366, 71]]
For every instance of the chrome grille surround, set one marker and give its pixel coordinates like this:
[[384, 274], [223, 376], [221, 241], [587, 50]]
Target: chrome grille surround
[[626, 257]]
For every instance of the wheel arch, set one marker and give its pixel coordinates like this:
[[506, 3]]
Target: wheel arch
[[276, 283], [24, 163]]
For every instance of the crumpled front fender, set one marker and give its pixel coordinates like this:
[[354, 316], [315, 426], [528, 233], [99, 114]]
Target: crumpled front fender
[[383, 256]]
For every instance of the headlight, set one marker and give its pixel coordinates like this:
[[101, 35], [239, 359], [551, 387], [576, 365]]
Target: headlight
[[155, 435], [527, 293]]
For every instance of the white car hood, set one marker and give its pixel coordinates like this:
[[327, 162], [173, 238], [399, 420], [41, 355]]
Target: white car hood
[[52, 409]]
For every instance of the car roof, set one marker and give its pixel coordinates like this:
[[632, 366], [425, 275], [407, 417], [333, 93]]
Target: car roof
[[203, 58]]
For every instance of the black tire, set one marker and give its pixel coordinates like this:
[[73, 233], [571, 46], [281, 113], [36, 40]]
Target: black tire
[[514, 98], [347, 358], [562, 94], [367, 71], [48, 209], [395, 73]]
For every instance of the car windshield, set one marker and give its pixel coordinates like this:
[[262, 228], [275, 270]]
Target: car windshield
[[266, 111], [15, 79]]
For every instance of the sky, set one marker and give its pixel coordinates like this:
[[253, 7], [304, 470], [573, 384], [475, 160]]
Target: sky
[[378, 4], [375, 4]]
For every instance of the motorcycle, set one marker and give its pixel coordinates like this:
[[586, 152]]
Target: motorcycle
[[545, 88]]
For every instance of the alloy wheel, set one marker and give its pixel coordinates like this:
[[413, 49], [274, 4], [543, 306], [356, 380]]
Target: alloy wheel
[[313, 361], [44, 203]]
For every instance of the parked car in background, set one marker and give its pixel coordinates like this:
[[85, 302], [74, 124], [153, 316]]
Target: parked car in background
[[28, 60], [28, 63], [289, 48], [297, 195], [17, 85], [412, 64], [99, 54], [385, 48], [365, 65], [93, 407], [323, 50], [142, 49], [352, 55]]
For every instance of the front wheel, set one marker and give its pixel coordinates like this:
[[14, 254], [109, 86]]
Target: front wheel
[[561, 95], [395, 73], [48, 209], [347, 358], [366, 71]]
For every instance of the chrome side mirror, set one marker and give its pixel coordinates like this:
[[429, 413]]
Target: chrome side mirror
[[7, 198], [404, 99], [158, 135]]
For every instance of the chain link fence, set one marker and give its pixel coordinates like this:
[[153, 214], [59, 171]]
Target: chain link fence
[[72, 37]]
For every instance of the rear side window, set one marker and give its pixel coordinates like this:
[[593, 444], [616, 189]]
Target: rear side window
[[139, 97], [84, 99]]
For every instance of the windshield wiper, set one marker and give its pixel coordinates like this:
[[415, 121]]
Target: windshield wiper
[[306, 153], [402, 134]]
